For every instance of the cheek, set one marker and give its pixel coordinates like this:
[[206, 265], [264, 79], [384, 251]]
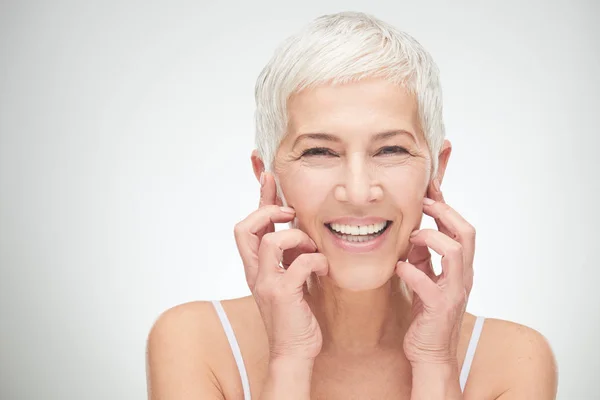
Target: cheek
[[406, 185], [306, 190], [405, 189]]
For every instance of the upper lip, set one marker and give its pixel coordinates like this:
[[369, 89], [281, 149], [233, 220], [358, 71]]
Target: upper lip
[[359, 221]]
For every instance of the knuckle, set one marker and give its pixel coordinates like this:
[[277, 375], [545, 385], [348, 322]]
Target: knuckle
[[446, 210], [456, 249], [265, 292], [469, 231], [269, 240], [238, 229], [259, 290]]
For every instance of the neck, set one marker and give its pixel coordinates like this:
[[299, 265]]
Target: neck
[[359, 323]]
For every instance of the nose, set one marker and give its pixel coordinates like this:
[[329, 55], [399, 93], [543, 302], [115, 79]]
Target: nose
[[358, 184]]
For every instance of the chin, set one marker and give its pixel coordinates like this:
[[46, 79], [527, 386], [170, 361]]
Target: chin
[[361, 276]]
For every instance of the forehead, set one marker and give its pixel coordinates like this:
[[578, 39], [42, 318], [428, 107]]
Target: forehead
[[366, 106]]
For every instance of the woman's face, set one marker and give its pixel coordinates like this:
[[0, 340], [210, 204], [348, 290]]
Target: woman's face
[[355, 166]]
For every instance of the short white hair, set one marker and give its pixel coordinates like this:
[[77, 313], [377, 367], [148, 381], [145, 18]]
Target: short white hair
[[343, 48]]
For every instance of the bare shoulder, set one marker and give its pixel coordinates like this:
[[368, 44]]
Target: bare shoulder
[[520, 358], [185, 349], [178, 353]]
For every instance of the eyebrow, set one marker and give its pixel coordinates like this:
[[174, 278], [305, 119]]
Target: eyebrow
[[333, 138]]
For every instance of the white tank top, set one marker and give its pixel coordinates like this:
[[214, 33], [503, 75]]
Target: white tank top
[[237, 354]]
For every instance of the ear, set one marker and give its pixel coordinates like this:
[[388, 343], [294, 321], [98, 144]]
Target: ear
[[257, 164], [443, 158]]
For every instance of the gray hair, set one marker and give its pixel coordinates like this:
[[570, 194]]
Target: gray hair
[[342, 48]]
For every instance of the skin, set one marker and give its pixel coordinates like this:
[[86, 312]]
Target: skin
[[367, 341]]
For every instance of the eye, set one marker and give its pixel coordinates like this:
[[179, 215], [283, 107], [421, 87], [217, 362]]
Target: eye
[[392, 150], [318, 151]]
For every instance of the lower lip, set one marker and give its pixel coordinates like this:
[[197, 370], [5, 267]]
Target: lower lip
[[359, 247]]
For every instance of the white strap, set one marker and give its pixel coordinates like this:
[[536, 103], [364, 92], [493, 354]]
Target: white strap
[[235, 348], [464, 373]]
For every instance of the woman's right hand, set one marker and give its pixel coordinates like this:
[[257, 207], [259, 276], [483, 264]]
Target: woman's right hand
[[292, 328]]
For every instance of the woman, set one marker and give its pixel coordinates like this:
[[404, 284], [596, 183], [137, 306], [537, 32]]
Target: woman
[[345, 303]]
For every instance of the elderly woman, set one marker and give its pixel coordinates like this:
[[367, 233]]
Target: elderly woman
[[345, 303]]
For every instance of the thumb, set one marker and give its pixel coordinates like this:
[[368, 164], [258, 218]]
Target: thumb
[[420, 257]]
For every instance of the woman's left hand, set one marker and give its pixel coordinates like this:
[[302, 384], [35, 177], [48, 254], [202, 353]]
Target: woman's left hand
[[439, 301]]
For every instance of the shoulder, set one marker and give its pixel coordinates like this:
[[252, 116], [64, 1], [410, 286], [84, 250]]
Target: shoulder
[[188, 326], [185, 347], [186, 321], [178, 351], [196, 327], [522, 358]]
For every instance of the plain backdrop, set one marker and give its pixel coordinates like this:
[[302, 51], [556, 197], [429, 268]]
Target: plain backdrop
[[125, 137]]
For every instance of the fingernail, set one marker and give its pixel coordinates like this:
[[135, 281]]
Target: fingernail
[[427, 201], [414, 233], [262, 179], [288, 210]]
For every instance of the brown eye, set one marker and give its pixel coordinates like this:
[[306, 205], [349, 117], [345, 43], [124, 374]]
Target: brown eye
[[392, 150], [318, 151]]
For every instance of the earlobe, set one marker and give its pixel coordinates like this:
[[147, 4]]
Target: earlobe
[[257, 164]]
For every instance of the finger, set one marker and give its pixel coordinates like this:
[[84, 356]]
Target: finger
[[268, 190], [419, 283], [465, 235], [289, 256], [260, 218], [272, 246], [250, 231], [300, 270], [456, 227], [450, 250], [420, 257], [434, 192]]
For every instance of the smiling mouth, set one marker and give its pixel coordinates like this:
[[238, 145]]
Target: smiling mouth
[[358, 234]]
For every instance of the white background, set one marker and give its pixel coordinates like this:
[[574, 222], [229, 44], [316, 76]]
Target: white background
[[125, 135]]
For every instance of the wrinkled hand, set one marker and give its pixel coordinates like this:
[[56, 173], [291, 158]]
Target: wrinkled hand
[[277, 265], [439, 301]]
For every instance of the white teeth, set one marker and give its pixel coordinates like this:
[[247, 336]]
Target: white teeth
[[357, 238], [356, 230]]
